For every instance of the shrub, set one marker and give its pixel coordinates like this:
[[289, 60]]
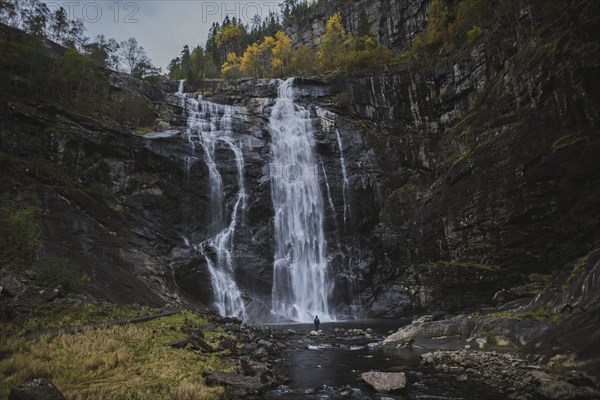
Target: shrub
[[54, 271], [474, 33], [19, 233]]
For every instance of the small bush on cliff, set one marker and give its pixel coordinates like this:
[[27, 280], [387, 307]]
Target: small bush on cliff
[[54, 271], [21, 248], [19, 233]]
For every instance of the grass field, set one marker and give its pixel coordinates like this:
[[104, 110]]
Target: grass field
[[121, 362]]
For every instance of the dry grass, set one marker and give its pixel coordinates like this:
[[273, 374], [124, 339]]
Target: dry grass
[[124, 362]]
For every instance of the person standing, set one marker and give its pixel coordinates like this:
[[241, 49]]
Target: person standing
[[317, 323]]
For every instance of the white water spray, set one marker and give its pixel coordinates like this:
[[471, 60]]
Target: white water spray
[[301, 285], [344, 176], [210, 125]]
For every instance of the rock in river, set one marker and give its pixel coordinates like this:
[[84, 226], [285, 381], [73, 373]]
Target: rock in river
[[385, 381]]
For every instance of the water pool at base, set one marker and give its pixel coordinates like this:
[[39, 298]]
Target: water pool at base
[[329, 366]]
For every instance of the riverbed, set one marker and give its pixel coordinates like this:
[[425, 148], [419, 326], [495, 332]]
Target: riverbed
[[328, 366]]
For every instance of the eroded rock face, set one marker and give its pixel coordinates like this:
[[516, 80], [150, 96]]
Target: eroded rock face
[[395, 23]]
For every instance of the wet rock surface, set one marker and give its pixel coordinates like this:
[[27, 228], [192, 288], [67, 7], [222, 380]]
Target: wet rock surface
[[513, 376], [38, 389]]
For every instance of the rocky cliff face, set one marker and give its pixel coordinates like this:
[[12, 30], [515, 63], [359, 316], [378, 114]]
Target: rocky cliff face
[[454, 195], [466, 180], [394, 23]]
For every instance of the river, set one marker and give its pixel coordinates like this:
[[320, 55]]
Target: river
[[329, 366]]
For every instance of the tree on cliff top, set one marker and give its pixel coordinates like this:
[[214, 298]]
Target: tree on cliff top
[[332, 45]]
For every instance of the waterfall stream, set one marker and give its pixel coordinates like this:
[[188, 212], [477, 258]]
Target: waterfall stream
[[210, 126], [301, 285], [344, 176]]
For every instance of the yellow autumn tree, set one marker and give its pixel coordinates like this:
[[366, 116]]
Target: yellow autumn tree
[[332, 45], [363, 54], [228, 37], [282, 54], [256, 60], [231, 68], [436, 33]]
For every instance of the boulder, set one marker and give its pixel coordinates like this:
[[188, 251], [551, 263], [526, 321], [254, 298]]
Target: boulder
[[552, 388], [385, 381], [11, 286], [193, 343], [458, 326], [236, 386], [37, 389], [260, 353], [228, 343]]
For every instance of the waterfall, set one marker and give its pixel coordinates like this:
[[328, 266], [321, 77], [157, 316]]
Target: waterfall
[[329, 199], [301, 284], [210, 126], [344, 176]]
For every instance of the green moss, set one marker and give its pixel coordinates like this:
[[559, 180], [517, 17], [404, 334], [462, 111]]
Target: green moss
[[539, 314], [141, 131], [567, 141], [474, 33], [204, 93], [578, 268]]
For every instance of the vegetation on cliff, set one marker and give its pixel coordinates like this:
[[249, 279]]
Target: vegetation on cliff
[[47, 28], [338, 54]]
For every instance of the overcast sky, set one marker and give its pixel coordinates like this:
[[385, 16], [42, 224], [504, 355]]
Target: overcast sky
[[162, 27]]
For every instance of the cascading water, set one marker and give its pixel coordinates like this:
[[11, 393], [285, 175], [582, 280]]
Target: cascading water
[[301, 285], [210, 125], [344, 176]]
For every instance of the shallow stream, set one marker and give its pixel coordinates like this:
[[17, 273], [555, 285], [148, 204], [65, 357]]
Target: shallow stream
[[329, 366]]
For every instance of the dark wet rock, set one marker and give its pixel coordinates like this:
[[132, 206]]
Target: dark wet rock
[[575, 342], [237, 386], [59, 292], [131, 84], [38, 389], [15, 308], [391, 300], [508, 331], [11, 286], [556, 389], [512, 375], [260, 353], [228, 343], [192, 343], [385, 381]]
